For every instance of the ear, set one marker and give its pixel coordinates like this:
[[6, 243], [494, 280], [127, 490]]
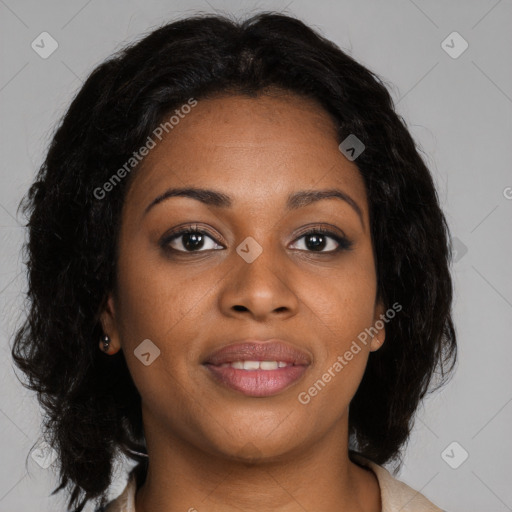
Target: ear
[[380, 325], [110, 325]]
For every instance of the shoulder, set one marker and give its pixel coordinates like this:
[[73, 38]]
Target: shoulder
[[396, 495]]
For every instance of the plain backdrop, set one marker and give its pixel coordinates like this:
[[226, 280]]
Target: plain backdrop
[[458, 107]]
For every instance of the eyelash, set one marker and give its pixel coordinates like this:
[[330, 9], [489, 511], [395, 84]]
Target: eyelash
[[344, 244]]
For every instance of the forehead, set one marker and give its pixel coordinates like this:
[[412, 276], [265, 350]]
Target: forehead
[[254, 148]]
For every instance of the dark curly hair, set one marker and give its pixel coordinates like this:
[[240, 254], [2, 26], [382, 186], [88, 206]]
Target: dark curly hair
[[92, 407]]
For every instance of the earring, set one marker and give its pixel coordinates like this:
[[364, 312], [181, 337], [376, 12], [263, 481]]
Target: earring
[[105, 343]]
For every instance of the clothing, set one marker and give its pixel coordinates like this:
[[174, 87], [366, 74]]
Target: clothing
[[396, 496]]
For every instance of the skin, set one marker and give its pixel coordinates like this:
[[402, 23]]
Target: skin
[[210, 447]]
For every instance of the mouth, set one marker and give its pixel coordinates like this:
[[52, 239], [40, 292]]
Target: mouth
[[257, 382], [257, 369]]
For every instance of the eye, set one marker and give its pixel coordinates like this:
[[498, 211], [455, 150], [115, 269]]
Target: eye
[[191, 239], [317, 240]]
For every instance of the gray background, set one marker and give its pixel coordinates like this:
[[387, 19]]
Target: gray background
[[459, 112]]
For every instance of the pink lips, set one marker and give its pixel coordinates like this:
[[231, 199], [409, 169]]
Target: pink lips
[[258, 382]]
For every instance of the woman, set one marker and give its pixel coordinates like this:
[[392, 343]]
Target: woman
[[238, 277]]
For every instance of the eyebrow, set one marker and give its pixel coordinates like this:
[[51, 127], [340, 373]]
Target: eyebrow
[[220, 200]]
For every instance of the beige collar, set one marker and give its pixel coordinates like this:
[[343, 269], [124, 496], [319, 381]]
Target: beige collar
[[396, 496]]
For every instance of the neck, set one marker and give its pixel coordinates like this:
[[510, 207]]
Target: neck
[[320, 476]]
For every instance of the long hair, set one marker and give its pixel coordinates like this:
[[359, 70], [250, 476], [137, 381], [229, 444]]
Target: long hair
[[92, 407]]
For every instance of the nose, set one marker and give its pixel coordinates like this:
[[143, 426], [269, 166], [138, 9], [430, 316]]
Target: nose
[[260, 288]]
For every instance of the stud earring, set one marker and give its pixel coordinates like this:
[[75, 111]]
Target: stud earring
[[105, 343]]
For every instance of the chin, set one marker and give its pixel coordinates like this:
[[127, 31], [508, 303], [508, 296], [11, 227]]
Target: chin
[[253, 449]]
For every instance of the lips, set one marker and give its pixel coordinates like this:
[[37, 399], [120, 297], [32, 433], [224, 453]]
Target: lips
[[257, 369], [252, 350]]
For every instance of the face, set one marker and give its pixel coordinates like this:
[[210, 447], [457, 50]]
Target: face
[[252, 272]]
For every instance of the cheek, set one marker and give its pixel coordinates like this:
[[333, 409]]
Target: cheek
[[160, 303], [341, 355], [343, 301], [342, 308], [157, 300]]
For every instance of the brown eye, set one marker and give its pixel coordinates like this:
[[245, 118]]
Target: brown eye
[[190, 239], [317, 240]]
